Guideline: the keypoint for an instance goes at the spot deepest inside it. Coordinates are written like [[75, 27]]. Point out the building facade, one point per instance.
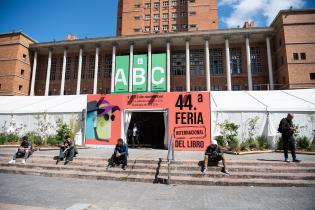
[[293, 48], [136, 17], [15, 65]]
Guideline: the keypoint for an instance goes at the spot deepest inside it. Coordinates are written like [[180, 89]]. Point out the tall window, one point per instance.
[[197, 67], [91, 66], [216, 61], [235, 60], [165, 3], [53, 69], [68, 68], [256, 59], [83, 66], [178, 62], [108, 66], [174, 3], [76, 66], [59, 68]]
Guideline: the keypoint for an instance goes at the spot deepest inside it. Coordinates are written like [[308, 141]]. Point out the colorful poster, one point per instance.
[[139, 73], [187, 117], [158, 79], [121, 74]]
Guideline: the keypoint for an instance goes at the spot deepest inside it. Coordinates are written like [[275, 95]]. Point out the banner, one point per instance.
[[158, 80], [139, 73], [187, 118], [121, 74]]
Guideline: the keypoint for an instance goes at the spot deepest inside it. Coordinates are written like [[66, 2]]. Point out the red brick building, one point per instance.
[[136, 17], [15, 65]]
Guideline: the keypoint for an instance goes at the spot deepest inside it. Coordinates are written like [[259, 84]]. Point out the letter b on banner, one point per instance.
[[158, 72], [139, 73]]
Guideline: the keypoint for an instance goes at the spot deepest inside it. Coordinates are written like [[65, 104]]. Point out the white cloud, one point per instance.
[[243, 10]]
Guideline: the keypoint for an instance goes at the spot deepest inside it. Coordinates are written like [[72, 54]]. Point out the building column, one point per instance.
[[168, 66], [63, 75], [149, 65], [79, 72], [130, 67], [248, 64], [269, 63], [207, 65], [48, 73], [96, 70], [33, 74], [187, 67], [112, 86], [228, 67]]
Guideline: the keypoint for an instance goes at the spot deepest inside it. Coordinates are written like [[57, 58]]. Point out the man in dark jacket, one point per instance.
[[67, 150], [120, 155], [24, 150], [214, 154], [286, 128]]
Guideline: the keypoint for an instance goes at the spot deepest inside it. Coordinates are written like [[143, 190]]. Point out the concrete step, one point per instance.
[[101, 160], [288, 168], [225, 181], [163, 172]]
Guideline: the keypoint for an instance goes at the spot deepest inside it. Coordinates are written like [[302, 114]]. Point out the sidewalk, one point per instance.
[[155, 154]]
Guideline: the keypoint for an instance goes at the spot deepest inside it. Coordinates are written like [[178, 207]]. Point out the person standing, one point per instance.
[[287, 130], [24, 150], [135, 135]]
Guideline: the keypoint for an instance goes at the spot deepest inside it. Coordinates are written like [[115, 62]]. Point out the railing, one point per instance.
[[170, 157]]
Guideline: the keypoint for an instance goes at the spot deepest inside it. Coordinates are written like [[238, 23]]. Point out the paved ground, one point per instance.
[[156, 154], [61, 193]]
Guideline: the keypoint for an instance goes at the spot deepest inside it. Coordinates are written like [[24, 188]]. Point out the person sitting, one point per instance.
[[120, 155], [214, 154], [24, 151], [67, 150]]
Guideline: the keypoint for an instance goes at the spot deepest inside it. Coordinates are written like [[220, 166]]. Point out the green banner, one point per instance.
[[139, 73], [158, 79], [121, 74]]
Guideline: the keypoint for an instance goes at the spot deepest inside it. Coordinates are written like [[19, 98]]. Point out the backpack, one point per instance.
[[280, 127]]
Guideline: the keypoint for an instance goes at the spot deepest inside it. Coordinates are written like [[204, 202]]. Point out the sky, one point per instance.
[[49, 20]]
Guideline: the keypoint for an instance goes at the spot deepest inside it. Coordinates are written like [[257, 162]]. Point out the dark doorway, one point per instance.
[[151, 128]]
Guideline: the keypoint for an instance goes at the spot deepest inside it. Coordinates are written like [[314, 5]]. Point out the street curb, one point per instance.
[[297, 152]]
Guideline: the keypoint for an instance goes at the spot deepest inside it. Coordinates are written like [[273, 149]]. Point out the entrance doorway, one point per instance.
[[152, 126]]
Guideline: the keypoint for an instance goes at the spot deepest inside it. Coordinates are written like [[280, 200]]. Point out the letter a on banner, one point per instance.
[[121, 74], [139, 73], [158, 72]]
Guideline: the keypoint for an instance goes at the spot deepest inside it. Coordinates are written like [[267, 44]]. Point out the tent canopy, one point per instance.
[[273, 101], [42, 104]]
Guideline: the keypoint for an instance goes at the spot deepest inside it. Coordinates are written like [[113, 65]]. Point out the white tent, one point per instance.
[[24, 114], [269, 106]]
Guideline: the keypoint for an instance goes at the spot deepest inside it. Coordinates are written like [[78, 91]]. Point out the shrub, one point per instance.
[[280, 144], [303, 142], [2, 138], [244, 145], [221, 141], [12, 137], [35, 138], [52, 140], [63, 130], [263, 142], [233, 143]]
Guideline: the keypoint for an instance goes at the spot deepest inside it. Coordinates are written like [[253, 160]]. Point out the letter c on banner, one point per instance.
[[162, 79]]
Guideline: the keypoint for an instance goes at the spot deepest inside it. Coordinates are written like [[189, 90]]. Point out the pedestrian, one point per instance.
[[287, 130], [135, 135], [24, 151], [67, 150], [214, 154], [120, 155]]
